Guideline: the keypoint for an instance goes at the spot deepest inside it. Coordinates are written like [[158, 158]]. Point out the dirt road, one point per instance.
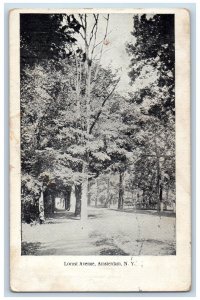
[[107, 232]]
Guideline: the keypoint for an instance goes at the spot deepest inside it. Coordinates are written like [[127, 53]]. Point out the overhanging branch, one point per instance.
[[103, 103]]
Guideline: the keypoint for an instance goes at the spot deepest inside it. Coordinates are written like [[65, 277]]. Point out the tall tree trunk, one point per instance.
[[121, 192], [132, 195], [88, 65], [41, 207], [167, 193], [138, 196], [84, 196], [89, 195], [158, 175], [138, 200], [158, 191], [108, 192], [97, 193], [68, 197], [84, 193], [143, 196], [160, 197], [78, 189], [53, 204]]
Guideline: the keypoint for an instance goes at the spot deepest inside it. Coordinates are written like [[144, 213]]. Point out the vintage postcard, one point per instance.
[[100, 150]]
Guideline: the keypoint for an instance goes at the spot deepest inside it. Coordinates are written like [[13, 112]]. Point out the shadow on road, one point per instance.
[[60, 217], [108, 232], [146, 212]]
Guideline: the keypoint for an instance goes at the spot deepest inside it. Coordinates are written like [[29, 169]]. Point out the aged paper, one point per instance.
[[100, 150]]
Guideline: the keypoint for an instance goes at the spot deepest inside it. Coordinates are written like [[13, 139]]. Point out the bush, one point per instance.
[[31, 189]]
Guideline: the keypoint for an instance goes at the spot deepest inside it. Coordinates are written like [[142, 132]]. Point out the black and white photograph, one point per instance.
[[100, 159], [97, 134]]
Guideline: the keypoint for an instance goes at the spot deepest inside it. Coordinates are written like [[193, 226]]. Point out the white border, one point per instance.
[[2, 135]]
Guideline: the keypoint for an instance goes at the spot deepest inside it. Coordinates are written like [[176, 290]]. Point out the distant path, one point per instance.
[[107, 232]]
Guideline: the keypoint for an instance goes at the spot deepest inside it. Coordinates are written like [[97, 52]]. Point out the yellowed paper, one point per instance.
[[150, 272]]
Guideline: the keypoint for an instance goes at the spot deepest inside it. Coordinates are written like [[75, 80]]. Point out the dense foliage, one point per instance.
[[78, 131]]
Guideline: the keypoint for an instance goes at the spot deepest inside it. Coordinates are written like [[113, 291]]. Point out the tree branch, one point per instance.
[[95, 37], [94, 27], [103, 103], [98, 65], [82, 25]]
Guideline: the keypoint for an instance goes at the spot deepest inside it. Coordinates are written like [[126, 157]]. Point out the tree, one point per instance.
[[154, 54], [43, 37], [56, 142], [89, 74], [76, 129], [153, 100], [43, 94]]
